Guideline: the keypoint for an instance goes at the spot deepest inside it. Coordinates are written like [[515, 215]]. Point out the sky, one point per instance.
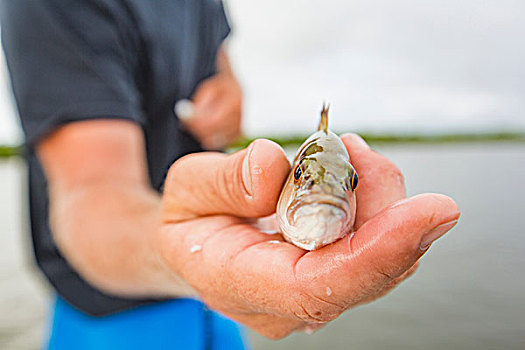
[[10, 132], [384, 66]]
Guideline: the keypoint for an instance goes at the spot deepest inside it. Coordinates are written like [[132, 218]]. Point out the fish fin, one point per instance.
[[323, 123]]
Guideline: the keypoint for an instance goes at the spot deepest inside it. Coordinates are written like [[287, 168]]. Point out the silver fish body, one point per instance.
[[317, 203]]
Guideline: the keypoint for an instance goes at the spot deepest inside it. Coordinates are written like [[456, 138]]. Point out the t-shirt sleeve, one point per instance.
[[70, 61], [224, 27]]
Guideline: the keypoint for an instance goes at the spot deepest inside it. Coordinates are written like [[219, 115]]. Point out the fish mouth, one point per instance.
[[318, 204], [315, 223]]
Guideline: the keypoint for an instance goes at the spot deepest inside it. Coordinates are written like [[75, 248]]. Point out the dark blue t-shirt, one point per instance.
[[74, 60]]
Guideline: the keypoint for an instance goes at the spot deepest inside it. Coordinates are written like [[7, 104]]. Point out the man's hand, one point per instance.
[[207, 238], [216, 120]]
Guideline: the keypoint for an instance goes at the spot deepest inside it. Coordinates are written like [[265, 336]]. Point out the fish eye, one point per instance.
[[352, 179], [298, 172]]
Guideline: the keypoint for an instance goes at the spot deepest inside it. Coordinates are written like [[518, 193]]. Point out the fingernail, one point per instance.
[[435, 233], [359, 140], [246, 175]]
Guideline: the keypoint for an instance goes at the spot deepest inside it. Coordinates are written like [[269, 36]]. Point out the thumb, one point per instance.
[[246, 183]]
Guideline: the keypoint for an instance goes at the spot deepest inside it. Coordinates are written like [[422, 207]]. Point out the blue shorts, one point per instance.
[[175, 324]]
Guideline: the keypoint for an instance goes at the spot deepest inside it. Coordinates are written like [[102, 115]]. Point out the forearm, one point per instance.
[[107, 231]]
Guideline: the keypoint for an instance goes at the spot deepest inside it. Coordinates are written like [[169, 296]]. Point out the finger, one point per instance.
[[380, 251], [224, 113], [220, 128], [391, 285], [246, 183], [219, 124], [206, 94], [380, 181], [220, 140], [203, 125], [190, 112]]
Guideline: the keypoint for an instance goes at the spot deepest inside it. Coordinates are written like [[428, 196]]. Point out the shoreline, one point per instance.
[[7, 151]]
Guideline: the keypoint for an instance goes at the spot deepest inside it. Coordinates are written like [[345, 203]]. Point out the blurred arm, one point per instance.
[[223, 62], [103, 211], [218, 107]]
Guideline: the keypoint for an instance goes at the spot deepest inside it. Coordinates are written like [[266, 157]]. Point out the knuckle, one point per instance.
[[174, 169], [171, 176], [397, 175], [386, 167], [392, 172], [174, 173]]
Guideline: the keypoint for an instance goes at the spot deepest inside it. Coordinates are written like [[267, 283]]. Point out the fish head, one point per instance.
[[317, 205]]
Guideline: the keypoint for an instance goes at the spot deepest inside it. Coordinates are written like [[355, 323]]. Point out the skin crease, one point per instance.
[[128, 240]]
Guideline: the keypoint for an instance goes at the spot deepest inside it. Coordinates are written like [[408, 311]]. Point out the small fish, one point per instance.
[[317, 203]]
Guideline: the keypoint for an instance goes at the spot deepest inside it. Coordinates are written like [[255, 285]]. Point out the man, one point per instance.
[[123, 232]]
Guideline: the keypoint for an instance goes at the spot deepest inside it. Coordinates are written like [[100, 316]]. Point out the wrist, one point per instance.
[[169, 281]]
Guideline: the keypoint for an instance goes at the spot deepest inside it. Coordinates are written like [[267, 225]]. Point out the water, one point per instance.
[[23, 295], [468, 293]]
